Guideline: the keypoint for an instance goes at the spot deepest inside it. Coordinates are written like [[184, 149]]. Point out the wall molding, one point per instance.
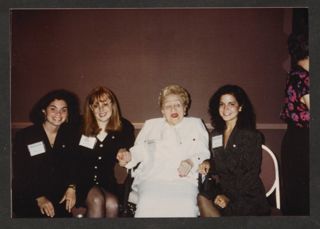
[[138, 125]]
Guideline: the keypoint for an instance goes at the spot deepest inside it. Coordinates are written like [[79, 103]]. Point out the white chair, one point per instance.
[[270, 174]]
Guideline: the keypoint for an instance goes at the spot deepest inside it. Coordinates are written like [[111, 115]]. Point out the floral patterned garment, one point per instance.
[[293, 111]]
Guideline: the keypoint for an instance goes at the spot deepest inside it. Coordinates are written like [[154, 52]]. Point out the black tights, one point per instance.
[[206, 207], [101, 203]]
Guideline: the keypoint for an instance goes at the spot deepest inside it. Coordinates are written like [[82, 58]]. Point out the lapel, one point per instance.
[[230, 154], [45, 138], [215, 150], [232, 139]]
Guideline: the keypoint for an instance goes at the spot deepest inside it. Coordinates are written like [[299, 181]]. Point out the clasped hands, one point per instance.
[[204, 167], [46, 206], [124, 157]]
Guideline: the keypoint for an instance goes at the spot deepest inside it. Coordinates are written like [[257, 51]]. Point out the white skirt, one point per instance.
[[176, 198]]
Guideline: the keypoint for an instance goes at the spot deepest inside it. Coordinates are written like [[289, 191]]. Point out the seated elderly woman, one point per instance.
[[169, 150]]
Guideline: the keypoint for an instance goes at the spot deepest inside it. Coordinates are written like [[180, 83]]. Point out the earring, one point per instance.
[[44, 115]]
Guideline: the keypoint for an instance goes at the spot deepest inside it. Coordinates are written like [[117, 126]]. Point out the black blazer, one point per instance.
[[47, 174], [238, 168], [96, 166]]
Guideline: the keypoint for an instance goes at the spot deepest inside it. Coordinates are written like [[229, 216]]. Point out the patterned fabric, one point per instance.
[[293, 111]]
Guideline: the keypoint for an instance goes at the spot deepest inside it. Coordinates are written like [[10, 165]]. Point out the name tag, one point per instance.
[[88, 142], [217, 141], [36, 148]]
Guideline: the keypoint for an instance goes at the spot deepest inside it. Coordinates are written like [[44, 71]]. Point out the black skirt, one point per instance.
[[295, 171]]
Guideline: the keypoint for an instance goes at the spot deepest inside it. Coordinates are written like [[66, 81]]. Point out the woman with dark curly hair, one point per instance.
[[295, 143], [236, 160], [43, 185]]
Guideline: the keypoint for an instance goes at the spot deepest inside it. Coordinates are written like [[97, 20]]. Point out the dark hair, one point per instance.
[[90, 125], [246, 118], [36, 115], [298, 46]]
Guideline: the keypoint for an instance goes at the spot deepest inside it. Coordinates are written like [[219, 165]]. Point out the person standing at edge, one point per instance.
[[295, 143]]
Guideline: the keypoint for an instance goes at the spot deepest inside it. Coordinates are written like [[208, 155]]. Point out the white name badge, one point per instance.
[[217, 141], [88, 142], [36, 148]]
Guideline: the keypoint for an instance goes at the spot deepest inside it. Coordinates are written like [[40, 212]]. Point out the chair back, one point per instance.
[[270, 174]]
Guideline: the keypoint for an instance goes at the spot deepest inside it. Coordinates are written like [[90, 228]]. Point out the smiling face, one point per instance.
[[173, 109], [102, 109], [56, 112], [229, 108]]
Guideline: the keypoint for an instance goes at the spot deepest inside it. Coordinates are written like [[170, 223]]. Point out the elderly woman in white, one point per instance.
[[170, 150]]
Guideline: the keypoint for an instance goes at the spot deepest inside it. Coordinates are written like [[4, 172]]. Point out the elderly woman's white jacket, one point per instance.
[[161, 147]]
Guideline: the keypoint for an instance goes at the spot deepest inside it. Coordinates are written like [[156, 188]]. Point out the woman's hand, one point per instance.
[[123, 156], [45, 205], [204, 167], [70, 198], [185, 167], [222, 201]]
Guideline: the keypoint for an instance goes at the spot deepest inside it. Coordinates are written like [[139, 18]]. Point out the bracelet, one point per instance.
[[72, 186]]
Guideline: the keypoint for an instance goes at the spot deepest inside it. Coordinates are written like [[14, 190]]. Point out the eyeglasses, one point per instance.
[[175, 106]]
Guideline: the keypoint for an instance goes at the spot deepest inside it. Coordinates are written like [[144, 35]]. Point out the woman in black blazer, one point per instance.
[[42, 184], [236, 157], [104, 132]]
